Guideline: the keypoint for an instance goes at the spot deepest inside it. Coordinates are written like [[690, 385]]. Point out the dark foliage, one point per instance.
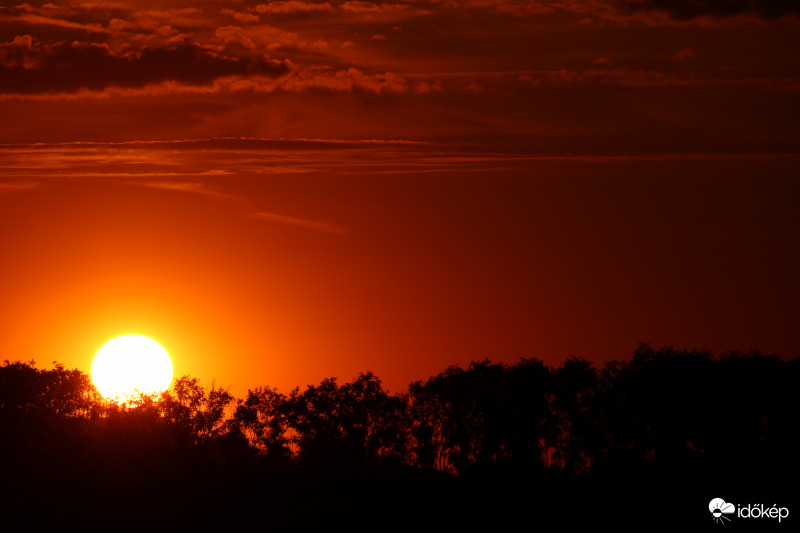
[[468, 449]]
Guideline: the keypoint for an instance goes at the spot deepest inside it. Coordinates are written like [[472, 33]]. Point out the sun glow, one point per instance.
[[129, 365]]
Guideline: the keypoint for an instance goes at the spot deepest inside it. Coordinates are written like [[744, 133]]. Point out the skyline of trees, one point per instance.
[[662, 405], [480, 448]]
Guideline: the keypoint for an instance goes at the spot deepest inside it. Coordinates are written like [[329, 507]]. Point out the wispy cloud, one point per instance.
[[32, 18], [251, 212], [316, 225], [72, 67], [291, 7], [198, 188], [14, 186]]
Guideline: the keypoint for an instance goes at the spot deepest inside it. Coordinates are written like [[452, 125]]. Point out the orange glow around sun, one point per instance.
[[131, 364], [284, 192]]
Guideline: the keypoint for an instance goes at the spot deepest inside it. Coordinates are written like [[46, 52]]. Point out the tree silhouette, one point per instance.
[[467, 441], [531, 422], [462, 419], [356, 422], [262, 419], [576, 433], [198, 413]]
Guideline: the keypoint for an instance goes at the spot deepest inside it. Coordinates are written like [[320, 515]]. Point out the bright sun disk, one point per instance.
[[131, 364]]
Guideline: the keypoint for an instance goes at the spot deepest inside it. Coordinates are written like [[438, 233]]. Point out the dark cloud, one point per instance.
[[71, 67], [689, 9]]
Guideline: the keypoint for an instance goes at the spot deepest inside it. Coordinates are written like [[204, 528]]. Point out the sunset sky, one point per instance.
[[280, 192]]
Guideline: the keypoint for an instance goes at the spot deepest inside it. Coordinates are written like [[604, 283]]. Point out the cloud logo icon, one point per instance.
[[719, 508]]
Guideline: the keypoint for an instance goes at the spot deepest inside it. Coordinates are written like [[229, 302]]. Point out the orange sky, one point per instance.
[[280, 192]]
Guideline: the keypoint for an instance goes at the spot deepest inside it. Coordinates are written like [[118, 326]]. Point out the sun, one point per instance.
[[129, 365]]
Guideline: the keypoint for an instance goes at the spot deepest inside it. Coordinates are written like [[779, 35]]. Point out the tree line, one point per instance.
[[661, 407]]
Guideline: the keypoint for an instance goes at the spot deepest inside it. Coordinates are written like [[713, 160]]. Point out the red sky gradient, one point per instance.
[[280, 192]]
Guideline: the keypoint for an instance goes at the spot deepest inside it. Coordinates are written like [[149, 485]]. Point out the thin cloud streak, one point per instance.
[[198, 188], [316, 225], [205, 190], [31, 18], [14, 186]]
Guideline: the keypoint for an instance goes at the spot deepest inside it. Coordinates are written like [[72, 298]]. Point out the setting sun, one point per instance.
[[130, 364]]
